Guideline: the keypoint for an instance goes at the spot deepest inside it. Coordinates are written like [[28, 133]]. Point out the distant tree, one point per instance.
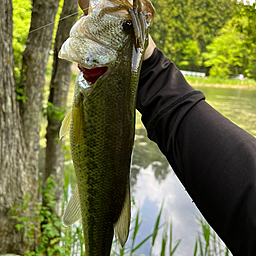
[[233, 51], [248, 29], [226, 55], [192, 57], [183, 29]]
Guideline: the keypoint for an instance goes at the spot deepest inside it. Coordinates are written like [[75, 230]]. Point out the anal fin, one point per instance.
[[73, 211]]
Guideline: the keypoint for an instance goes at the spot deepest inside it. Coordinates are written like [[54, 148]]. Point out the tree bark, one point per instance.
[[20, 121], [14, 173], [59, 88], [35, 58]]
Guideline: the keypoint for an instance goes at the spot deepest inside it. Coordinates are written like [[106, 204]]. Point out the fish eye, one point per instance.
[[126, 25]]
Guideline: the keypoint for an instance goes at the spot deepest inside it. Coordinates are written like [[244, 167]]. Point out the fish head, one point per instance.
[[100, 41], [95, 40]]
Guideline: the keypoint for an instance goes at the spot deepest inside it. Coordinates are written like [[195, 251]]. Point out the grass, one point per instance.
[[211, 81], [208, 243]]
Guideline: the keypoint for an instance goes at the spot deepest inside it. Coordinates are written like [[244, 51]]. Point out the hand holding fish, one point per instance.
[[108, 44]]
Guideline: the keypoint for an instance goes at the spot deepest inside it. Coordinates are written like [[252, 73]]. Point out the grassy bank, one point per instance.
[[219, 82]]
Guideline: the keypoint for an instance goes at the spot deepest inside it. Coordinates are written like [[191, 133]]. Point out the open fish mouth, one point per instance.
[[93, 74]]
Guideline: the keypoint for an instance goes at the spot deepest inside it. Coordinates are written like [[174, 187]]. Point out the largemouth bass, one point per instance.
[[108, 45]]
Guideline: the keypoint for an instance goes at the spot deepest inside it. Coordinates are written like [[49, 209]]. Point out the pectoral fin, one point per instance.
[[122, 226], [72, 212], [65, 125], [77, 116]]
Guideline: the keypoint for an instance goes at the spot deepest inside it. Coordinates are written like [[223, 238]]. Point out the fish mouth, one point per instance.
[[93, 74]]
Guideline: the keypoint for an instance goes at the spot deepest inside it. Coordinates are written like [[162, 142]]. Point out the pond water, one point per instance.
[[152, 178]]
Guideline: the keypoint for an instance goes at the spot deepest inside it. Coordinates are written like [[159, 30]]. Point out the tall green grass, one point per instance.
[[207, 243]]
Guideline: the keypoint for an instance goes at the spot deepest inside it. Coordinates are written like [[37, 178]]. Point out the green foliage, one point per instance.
[[57, 17], [225, 55], [198, 35], [248, 29], [50, 237], [25, 224], [183, 29], [20, 93], [233, 51], [192, 57], [21, 24], [54, 112]]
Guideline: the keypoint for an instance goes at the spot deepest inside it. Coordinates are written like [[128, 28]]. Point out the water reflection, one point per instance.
[[146, 153], [178, 208]]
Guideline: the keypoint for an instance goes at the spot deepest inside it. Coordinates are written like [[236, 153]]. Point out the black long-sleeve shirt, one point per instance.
[[214, 159]]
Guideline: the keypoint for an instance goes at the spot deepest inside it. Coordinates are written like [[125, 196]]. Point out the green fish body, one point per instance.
[[101, 126]]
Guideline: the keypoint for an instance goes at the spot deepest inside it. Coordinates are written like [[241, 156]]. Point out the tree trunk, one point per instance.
[[35, 58], [59, 88], [19, 127], [15, 178]]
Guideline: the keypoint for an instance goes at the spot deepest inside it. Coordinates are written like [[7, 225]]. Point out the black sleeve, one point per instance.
[[214, 159]]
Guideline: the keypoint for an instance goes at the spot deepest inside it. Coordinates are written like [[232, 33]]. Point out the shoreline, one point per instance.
[[247, 87]]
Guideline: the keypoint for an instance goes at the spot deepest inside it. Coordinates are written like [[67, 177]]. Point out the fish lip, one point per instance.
[[92, 74]]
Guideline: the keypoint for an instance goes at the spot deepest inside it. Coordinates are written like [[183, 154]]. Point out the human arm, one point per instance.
[[214, 159]]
